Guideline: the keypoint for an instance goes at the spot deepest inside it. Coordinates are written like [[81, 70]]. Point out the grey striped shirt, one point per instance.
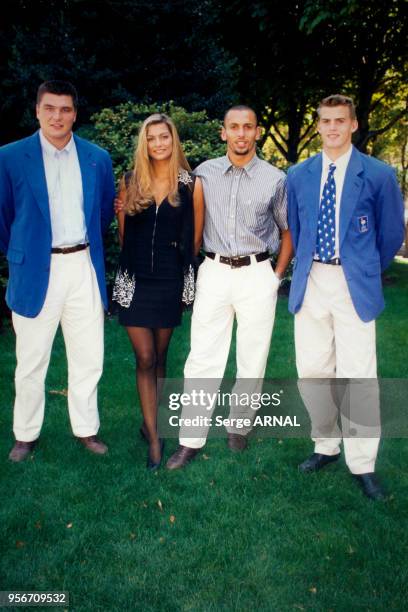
[[245, 208]]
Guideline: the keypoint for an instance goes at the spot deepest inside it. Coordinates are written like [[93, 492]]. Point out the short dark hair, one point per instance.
[[241, 107], [59, 88], [338, 100]]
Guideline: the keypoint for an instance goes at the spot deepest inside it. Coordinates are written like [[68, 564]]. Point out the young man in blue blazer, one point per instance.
[[346, 221], [56, 202]]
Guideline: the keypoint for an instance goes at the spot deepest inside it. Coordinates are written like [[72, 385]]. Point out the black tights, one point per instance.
[[150, 348]]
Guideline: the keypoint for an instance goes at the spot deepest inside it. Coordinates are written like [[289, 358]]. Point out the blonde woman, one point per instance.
[[160, 228]]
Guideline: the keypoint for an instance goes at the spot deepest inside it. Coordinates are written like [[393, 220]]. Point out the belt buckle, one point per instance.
[[234, 261]]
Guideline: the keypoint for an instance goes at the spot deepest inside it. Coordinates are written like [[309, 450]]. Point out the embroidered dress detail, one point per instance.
[[184, 177], [189, 287], [123, 288]]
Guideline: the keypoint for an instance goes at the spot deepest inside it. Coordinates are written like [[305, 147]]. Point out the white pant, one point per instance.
[[73, 299], [333, 342], [250, 294]]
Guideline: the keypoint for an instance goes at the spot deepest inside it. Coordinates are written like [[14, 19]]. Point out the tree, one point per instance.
[[293, 54], [370, 39], [113, 51]]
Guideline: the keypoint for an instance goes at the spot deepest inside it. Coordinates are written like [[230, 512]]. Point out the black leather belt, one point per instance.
[[71, 249], [331, 262], [239, 260]]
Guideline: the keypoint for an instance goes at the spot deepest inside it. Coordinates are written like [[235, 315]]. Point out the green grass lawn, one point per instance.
[[230, 532]]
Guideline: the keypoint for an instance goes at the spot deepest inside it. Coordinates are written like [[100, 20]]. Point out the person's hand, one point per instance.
[[118, 205]]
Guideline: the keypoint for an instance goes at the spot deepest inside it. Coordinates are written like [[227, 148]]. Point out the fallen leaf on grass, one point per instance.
[[172, 519], [38, 525], [132, 536], [63, 392], [205, 457], [313, 590], [160, 505], [20, 544]]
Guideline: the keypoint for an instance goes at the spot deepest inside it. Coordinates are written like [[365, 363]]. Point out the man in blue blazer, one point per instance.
[[346, 221], [56, 201]]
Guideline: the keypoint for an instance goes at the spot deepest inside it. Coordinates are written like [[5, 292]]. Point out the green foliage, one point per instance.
[[116, 129], [113, 51]]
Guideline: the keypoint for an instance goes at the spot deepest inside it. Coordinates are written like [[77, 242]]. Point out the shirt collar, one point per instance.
[[249, 167], [49, 148], [340, 163]]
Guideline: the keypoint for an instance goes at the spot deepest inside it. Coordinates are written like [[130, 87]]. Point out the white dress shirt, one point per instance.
[[341, 164], [65, 195]]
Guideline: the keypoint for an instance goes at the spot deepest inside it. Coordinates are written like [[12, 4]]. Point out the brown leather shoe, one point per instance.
[[181, 457], [21, 450], [93, 444], [236, 442]]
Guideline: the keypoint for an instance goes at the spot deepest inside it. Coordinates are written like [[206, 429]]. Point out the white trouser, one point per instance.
[[250, 293], [73, 299], [333, 342]]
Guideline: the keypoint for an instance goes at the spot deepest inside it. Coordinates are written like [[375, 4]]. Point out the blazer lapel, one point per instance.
[[35, 172], [87, 165], [312, 188], [353, 183]]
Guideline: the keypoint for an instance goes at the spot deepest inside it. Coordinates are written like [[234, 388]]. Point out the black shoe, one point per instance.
[[152, 465], [316, 462], [370, 486]]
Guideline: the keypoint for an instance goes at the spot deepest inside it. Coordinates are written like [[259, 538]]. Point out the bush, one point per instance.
[[116, 129]]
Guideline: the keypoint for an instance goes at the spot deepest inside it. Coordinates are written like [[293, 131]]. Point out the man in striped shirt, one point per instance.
[[245, 221]]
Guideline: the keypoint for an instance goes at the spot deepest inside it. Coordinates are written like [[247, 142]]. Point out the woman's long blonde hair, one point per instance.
[[139, 191]]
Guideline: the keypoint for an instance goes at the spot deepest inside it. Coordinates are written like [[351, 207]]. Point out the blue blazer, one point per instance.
[[25, 225], [371, 227]]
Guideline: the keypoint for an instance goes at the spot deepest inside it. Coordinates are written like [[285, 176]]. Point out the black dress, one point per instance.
[[155, 265]]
